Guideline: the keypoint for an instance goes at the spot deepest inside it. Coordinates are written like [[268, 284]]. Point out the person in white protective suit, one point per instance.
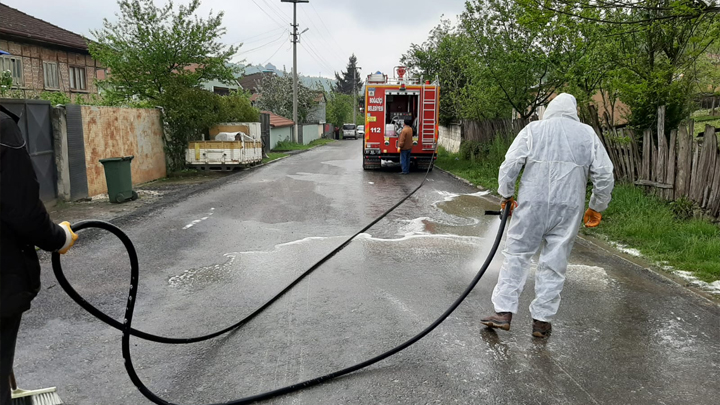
[[558, 153]]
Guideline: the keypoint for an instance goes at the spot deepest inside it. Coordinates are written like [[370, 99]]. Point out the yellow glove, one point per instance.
[[513, 204], [70, 237], [592, 218]]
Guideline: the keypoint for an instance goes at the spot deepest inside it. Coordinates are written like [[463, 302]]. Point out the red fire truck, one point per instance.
[[388, 101]]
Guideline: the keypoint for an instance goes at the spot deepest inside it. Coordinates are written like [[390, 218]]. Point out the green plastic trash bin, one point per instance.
[[119, 179]]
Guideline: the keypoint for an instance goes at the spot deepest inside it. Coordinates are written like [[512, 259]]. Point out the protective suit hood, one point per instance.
[[564, 106]]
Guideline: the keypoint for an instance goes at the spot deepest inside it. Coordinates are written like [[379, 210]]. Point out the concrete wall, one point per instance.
[[280, 134], [450, 138], [114, 132], [311, 133], [33, 57]]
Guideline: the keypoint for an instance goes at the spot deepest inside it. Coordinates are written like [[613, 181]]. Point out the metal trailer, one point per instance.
[[225, 155]]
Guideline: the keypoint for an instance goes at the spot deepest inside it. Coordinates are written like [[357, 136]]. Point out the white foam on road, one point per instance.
[[713, 287], [625, 249], [589, 277], [448, 196]]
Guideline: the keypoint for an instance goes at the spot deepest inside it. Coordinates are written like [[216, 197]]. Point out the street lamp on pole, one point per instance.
[[295, 40]]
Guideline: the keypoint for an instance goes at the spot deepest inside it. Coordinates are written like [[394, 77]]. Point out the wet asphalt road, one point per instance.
[[622, 336]]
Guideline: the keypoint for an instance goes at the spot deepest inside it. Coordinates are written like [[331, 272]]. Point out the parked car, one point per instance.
[[361, 131], [349, 131]]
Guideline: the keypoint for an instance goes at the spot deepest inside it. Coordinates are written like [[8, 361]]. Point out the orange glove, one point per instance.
[[70, 237], [592, 218], [513, 204]]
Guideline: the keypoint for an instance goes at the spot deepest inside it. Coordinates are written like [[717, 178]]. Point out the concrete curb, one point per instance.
[[654, 273]]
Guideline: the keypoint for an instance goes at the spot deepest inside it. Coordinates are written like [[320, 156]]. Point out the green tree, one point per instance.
[[349, 80], [159, 56], [467, 91], [276, 95], [526, 55], [151, 48], [656, 65], [339, 108]]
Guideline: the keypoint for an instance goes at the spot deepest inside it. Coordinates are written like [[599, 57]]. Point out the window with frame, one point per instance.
[[50, 73], [14, 66], [77, 78]]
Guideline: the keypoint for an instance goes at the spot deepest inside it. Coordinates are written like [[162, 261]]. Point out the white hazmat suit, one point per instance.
[[558, 154]]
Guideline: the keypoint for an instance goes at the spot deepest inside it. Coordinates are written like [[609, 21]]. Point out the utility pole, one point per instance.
[[295, 40], [355, 109]]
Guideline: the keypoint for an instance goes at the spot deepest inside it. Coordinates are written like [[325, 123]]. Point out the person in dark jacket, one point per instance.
[[24, 224]]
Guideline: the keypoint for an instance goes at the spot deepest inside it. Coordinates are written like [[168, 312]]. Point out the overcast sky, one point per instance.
[[378, 32]]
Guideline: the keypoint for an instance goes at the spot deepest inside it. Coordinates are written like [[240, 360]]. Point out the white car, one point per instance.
[[361, 131], [349, 131]]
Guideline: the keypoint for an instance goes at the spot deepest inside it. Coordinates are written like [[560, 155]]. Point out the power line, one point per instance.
[[329, 45], [262, 46], [319, 54], [264, 34], [274, 53], [278, 11], [315, 56], [327, 29], [268, 14]]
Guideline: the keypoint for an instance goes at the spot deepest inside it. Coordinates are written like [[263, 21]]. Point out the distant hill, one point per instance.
[[307, 81]]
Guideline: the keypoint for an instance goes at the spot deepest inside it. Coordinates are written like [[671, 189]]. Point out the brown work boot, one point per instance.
[[500, 320], [541, 329]]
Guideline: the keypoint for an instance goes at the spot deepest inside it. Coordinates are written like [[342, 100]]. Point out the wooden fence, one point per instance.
[[683, 166], [486, 131]]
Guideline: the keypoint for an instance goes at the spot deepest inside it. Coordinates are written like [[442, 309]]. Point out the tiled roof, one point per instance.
[[277, 121], [16, 23], [250, 82]]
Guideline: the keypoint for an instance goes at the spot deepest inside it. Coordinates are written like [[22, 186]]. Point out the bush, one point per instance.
[[469, 150], [55, 97], [682, 208]]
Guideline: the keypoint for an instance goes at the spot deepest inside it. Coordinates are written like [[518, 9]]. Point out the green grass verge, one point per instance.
[[284, 146], [651, 225], [273, 156]]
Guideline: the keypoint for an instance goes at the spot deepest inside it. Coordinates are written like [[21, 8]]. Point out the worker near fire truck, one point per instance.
[[557, 154], [24, 224], [405, 144]]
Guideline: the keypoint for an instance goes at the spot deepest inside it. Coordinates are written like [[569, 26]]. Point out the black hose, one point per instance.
[[57, 268], [129, 310], [126, 325]]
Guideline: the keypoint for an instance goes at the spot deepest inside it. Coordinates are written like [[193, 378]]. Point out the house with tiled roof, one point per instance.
[[44, 57], [281, 128]]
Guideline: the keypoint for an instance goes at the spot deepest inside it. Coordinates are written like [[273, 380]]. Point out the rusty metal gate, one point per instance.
[[36, 128]]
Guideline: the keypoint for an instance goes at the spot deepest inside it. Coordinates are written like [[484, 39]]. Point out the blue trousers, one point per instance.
[[405, 160]]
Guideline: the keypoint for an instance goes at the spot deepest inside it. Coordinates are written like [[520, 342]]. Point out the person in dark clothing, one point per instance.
[[24, 224], [405, 145]]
